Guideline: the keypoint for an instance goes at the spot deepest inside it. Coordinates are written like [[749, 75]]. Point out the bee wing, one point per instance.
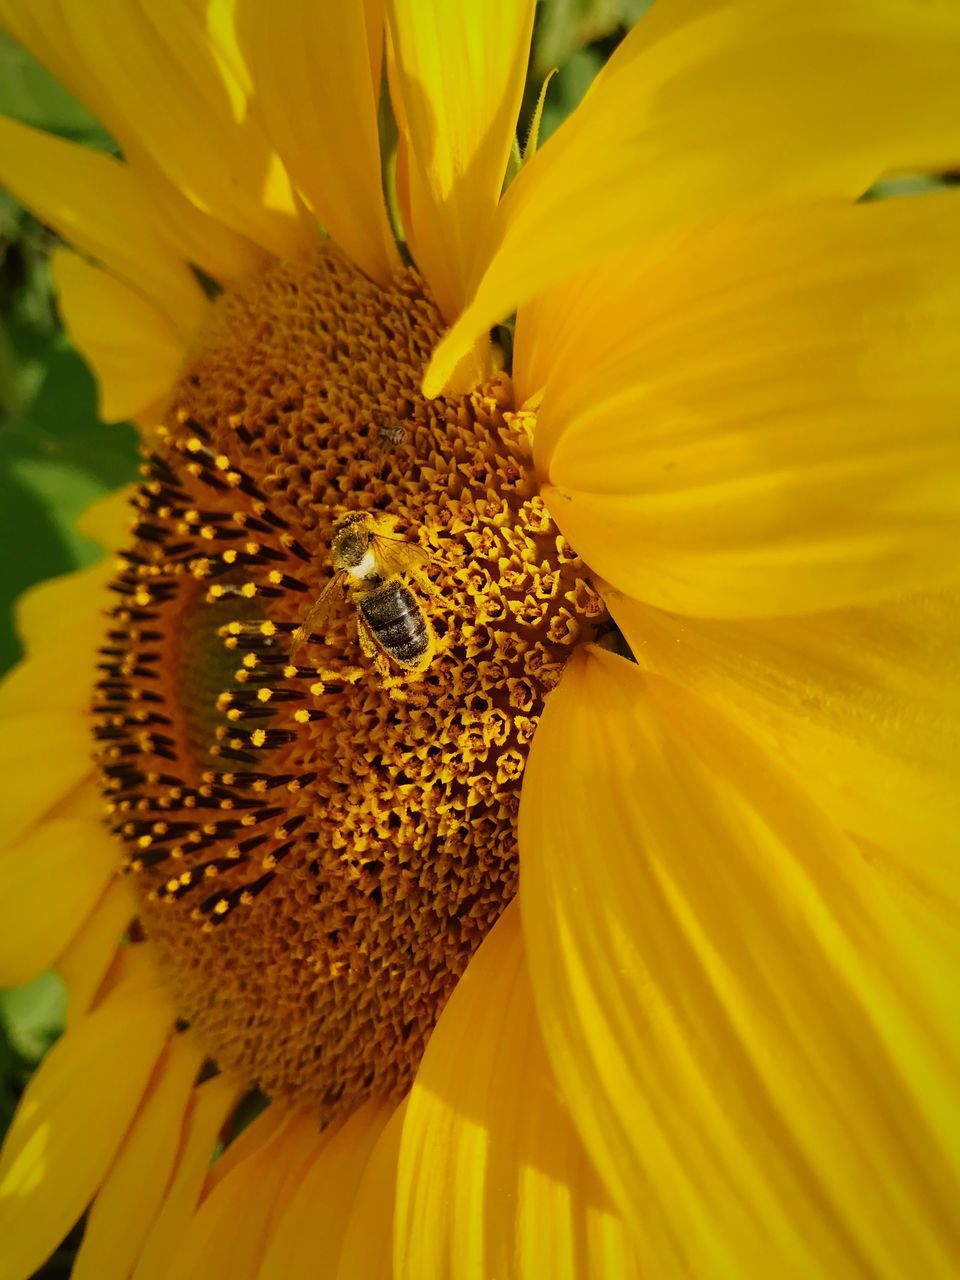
[[316, 613], [396, 555]]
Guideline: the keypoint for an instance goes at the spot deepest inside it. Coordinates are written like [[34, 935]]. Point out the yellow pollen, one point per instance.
[[338, 832]]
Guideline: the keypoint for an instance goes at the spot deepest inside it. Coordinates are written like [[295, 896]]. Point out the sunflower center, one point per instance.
[[322, 837]]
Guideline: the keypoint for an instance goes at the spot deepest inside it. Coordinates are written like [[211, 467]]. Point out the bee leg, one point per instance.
[[370, 649], [367, 646]]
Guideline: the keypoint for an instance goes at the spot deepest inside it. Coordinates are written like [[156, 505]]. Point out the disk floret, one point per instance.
[[319, 845]]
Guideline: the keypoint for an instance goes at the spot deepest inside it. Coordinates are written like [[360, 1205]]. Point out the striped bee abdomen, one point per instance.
[[396, 622]]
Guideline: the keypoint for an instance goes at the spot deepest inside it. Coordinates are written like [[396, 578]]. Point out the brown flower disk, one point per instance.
[[319, 849]]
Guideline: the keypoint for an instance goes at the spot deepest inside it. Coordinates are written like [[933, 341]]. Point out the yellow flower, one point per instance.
[[716, 1033]]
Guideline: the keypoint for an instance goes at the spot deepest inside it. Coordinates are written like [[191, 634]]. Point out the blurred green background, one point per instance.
[[56, 457]]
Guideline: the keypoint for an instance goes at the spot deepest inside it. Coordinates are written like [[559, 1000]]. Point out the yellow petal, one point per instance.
[[198, 237], [84, 962], [226, 1237], [366, 1250], [49, 881], [318, 56], [71, 1122], [493, 1179], [460, 71], [57, 673], [132, 349], [257, 1134], [79, 596], [96, 203], [208, 1110], [132, 1192], [707, 108], [759, 418], [312, 1224], [862, 705], [109, 519], [194, 236], [176, 88], [743, 1039], [43, 757]]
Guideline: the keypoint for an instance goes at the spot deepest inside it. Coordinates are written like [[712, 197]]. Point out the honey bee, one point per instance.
[[369, 565]]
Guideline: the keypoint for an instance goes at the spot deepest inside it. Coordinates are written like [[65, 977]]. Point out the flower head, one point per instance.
[[681, 576]]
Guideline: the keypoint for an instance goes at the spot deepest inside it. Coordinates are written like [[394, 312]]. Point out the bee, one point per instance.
[[369, 565], [392, 433]]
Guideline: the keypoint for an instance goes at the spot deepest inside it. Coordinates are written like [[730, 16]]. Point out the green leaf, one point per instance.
[[63, 419], [28, 92], [566, 26], [567, 88], [34, 549], [66, 492], [32, 1016]]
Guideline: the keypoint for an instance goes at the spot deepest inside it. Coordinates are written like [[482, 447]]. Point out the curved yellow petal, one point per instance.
[[43, 31], [57, 679], [44, 756], [79, 596], [227, 1236], [132, 348], [746, 1043], [862, 705], [71, 1122], [206, 1114], [109, 519], [259, 1133], [96, 203], [193, 235], [173, 83], [705, 108], [493, 1179], [319, 57], [198, 237], [460, 71], [311, 1226], [366, 1248], [133, 1189], [49, 881], [58, 670], [759, 418], [84, 962]]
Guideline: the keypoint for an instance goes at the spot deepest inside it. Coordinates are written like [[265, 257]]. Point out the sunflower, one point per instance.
[[620, 937]]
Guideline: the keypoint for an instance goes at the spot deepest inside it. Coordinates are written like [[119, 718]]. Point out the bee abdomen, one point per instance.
[[396, 622]]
